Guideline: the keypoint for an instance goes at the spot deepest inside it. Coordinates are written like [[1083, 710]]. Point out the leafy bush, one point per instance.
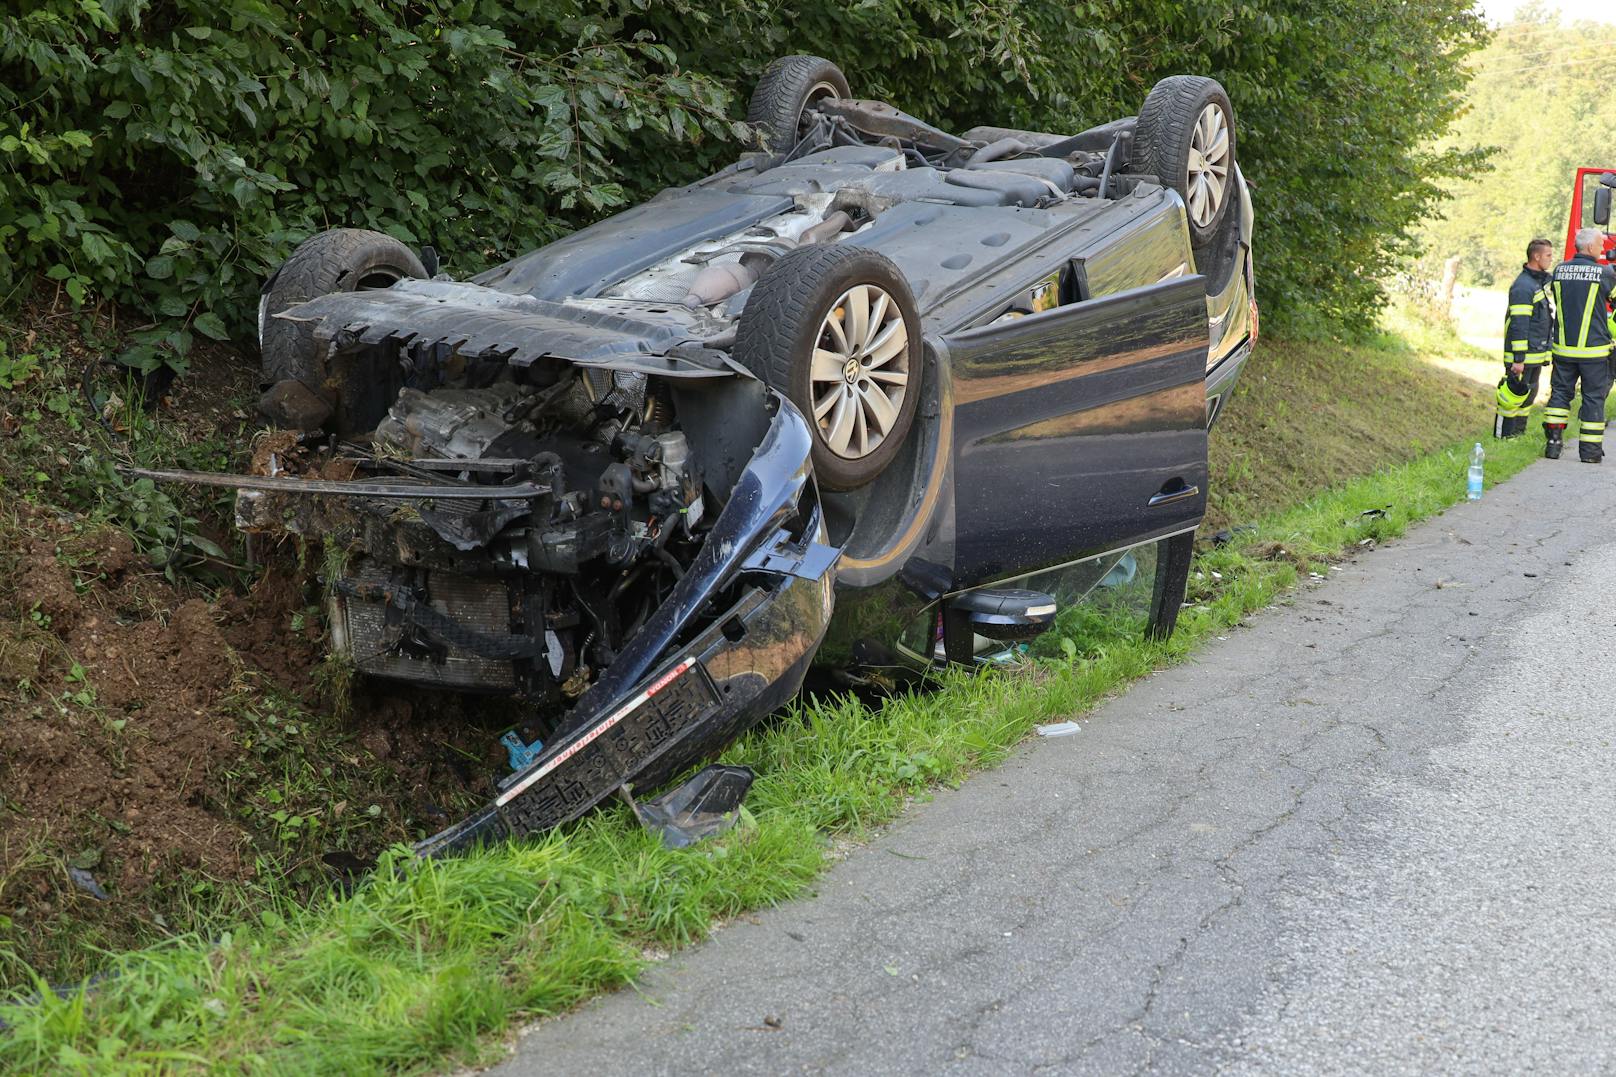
[[168, 156]]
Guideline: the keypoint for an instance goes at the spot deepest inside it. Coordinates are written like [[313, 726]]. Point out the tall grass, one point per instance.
[[418, 967]]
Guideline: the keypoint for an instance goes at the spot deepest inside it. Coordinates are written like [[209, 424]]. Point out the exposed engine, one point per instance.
[[715, 270], [533, 594]]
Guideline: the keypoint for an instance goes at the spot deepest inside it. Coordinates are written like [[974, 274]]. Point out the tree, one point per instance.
[[169, 155], [1540, 102]]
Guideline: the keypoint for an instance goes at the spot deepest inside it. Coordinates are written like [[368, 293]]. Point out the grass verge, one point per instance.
[[1309, 414], [421, 965]]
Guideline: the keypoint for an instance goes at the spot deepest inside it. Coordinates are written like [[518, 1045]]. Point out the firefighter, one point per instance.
[[1581, 289], [1528, 332]]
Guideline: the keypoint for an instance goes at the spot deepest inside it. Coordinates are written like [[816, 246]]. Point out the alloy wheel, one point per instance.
[[1208, 165], [860, 371]]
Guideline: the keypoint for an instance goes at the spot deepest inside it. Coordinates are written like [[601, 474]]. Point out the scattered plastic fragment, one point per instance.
[[1058, 729], [1226, 536], [707, 804], [86, 882], [520, 753]]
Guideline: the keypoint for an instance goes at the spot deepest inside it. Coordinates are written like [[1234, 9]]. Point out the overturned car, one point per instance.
[[872, 376]]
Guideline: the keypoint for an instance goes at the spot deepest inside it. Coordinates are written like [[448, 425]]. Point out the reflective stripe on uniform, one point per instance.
[[1591, 432], [1556, 415], [1580, 350], [1535, 358], [1520, 308]]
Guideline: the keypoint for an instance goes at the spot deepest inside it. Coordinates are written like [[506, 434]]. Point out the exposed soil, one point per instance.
[[124, 752], [163, 743], [65, 761]]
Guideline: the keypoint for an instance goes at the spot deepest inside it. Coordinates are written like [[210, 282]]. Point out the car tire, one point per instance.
[[789, 85], [339, 260], [1185, 136], [804, 312]]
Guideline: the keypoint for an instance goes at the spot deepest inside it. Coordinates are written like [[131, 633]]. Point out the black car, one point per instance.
[[871, 376]]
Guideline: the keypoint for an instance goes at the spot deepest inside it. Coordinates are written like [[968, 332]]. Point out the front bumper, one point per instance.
[[676, 694]]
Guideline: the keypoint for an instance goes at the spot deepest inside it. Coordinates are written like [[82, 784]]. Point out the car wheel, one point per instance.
[[339, 260], [835, 329], [789, 85], [1185, 136]]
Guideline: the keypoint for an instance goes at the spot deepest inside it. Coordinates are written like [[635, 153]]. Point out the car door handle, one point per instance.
[[1167, 497]]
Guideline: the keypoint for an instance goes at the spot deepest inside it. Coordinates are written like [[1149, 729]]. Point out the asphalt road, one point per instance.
[[1369, 833]]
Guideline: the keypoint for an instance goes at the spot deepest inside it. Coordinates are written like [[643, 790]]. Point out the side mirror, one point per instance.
[[1602, 206], [1607, 179]]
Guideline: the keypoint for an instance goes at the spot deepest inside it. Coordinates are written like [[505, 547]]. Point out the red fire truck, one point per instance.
[[1590, 208]]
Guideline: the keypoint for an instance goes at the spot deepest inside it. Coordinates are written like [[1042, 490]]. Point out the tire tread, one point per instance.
[[777, 100], [317, 267], [1162, 134]]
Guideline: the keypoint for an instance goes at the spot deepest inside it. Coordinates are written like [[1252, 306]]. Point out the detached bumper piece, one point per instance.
[[706, 805], [745, 666]]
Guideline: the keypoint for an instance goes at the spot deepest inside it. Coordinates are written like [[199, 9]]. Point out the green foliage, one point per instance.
[[168, 156], [67, 446], [1539, 98]]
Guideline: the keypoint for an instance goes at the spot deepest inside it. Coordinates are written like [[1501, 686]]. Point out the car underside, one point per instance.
[[628, 478]]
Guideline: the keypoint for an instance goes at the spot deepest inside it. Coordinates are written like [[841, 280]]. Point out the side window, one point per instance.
[[1102, 600], [1060, 289], [1590, 184]]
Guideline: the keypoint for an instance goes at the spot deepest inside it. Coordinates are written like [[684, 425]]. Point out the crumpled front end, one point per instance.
[[576, 505], [730, 644]]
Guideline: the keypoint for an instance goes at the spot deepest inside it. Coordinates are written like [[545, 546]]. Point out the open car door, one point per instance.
[[1079, 430]]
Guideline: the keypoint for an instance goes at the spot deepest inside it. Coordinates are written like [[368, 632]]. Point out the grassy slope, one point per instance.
[[1309, 415], [429, 958]]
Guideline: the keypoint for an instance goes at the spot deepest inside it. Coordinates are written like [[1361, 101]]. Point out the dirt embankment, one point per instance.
[[156, 741], [165, 745], [114, 755]]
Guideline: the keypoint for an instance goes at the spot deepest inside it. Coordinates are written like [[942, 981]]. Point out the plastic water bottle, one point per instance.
[[1473, 485]]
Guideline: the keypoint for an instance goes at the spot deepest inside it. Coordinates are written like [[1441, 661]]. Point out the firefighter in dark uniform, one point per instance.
[[1528, 333], [1581, 289]]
